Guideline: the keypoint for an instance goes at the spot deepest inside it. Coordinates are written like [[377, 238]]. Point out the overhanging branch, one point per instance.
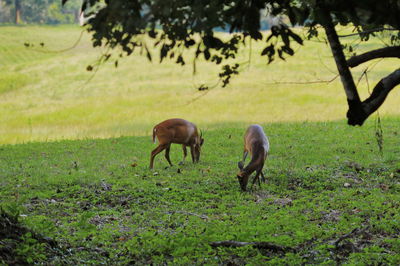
[[381, 90], [393, 51], [376, 99], [368, 32]]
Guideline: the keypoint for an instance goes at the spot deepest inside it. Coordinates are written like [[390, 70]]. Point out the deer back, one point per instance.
[[176, 130]]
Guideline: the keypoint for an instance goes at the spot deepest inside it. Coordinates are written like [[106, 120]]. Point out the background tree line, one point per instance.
[[52, 12], [39, 11]]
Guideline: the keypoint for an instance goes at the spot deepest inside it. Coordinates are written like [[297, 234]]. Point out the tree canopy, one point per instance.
[[178, 25]]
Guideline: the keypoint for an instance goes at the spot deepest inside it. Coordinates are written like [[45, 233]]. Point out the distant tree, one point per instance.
[[17, 4], [43, 11], [17, 9], [189, 23]]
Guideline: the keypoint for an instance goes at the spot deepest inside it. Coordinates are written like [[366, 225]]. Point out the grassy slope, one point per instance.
[[46, 96], [86, 195]]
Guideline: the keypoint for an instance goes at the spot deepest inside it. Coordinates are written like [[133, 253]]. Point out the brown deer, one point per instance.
[[177, 131], [256, 143]]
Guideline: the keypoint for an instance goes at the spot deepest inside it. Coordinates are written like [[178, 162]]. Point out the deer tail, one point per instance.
[[154, 135]]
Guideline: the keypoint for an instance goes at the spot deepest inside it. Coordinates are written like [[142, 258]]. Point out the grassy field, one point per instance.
[[67, 196], [99, 202], [47, 95]]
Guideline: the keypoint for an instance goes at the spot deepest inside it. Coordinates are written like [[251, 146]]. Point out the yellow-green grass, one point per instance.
[[46, 95]]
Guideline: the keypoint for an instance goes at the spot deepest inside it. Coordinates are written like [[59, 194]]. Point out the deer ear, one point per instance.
[[240, 165]]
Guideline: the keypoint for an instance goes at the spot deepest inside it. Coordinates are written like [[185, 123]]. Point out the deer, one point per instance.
[[178, 131], [256, 143]]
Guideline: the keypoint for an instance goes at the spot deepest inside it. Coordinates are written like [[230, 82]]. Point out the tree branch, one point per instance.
[[381, 90], [392, 51], [376, 99], [354, 232], [301, 82], [368, 32]]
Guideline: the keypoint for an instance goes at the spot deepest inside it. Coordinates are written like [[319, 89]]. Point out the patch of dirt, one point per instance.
[[353, 166], [283, 202], [262, 196], [331, 216]]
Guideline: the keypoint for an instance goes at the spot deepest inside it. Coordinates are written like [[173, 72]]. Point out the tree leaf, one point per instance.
[[256, 35], [164, 51], [280, 54], [152, 33], [206, 54], [270, 36], [212, 42], [180, 60], [148, 53], [268, 50], [288, 50], [189, 43], [295, 37]]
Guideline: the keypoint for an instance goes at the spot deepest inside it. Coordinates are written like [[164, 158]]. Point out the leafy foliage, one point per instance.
[[180, 24]]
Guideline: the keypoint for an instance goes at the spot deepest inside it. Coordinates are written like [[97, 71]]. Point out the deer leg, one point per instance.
[[257, 178], [245, 153], [167, 154], [192, 153], [184, 153], [156, 151], [241, 164], [262, 177]]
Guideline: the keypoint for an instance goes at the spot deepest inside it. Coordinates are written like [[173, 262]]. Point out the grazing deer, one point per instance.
[[177, 131], [255, 142]]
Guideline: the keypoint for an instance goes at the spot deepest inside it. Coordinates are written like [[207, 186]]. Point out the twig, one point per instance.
[[256, 244], [368, 31], [63, 50], [202, 216], [354, 232], [204, 93], [97, 65], [305, 82], [197, 97], [323, 64]]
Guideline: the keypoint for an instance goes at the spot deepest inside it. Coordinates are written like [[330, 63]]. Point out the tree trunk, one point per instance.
[[17, 4], [356, 114]]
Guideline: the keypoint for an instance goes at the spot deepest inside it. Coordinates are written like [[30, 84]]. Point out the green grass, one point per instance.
[[47, 95], [102, 205], [87, 196]]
